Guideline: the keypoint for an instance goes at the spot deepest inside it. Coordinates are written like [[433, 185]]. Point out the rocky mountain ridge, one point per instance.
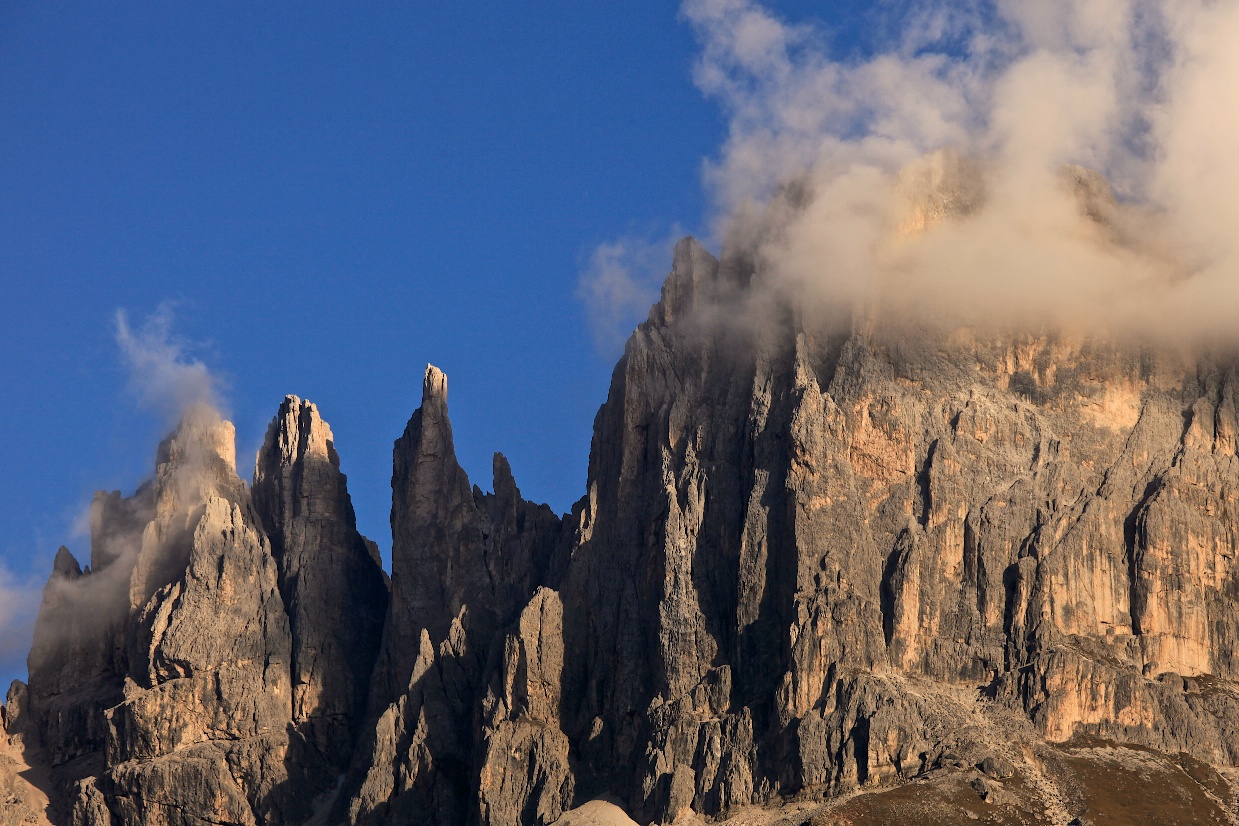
[[814, 561]]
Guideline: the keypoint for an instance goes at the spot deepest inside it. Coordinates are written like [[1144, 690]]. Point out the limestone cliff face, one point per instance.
[[330, 577], [164, 682], [783, 529], [802, 556], [206, 694], [812, 556], [464, 564]]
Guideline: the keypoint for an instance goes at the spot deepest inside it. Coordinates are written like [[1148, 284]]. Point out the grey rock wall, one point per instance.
[[331, 580], [464, 565], [811, 555], [199, 672]]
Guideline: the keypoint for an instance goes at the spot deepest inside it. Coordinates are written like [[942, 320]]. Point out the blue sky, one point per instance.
[[330, 195]]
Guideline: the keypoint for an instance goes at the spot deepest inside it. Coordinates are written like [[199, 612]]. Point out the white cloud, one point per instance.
[[165, 378], [1144, 91], [19, 605]]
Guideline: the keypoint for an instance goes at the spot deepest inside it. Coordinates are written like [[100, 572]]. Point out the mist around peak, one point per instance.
[[999, 163], [164, 378], [146, 531]]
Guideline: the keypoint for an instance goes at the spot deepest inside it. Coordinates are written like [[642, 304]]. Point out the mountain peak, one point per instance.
[[810, 561], [694, 271], [202, 437], [434, 385]]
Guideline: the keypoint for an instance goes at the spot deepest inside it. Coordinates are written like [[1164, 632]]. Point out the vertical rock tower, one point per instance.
[[330, 578], [464, 564], [223, 682], [813, 556]]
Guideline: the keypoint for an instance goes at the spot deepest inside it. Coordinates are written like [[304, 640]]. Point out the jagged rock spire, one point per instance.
[[169, 679], [694, 272], [330, 576], [809, 560], [464, 564]]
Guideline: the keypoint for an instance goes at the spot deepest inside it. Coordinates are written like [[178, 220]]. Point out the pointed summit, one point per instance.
[[193, 465], [333, 589], [434, 385], [201, 437], [65, 565], [464, 564], [694, 272], [297, 431], [431, 496]]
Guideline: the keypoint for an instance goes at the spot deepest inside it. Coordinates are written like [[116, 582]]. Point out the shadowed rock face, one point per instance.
[[464, 565], [812, 556], [79, 657], [330, 579]]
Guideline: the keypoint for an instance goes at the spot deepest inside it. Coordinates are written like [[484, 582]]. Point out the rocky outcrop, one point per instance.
[[203, 724], [24, 779], [330, 578], [464, 563], [792, 529], [684, 487], [526, 775], [79, 656], [815, 554], [167, 684]]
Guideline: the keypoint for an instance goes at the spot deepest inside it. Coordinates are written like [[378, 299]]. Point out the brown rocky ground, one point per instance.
[[23, 801], [1082, 783]]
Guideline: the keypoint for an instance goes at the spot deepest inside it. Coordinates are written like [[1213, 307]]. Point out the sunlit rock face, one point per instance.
[[807, 552], [169, 682], [784, 525], [815, 554]]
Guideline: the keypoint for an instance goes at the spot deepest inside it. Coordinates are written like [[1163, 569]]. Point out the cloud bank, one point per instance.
[[963, 163], [19, 602]]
